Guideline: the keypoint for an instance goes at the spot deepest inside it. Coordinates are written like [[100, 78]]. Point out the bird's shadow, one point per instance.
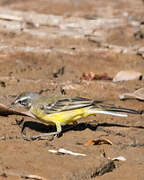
[[43, 128]]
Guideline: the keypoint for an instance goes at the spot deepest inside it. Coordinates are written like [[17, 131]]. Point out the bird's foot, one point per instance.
[[50, 136]]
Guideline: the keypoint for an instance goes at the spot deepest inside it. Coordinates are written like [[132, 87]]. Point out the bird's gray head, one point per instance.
[[25, 99]]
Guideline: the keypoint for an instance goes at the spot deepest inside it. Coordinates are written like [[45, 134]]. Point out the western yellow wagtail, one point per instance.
[[61, 110]]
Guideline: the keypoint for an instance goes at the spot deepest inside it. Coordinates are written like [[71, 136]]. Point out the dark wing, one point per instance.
[[67, 104]]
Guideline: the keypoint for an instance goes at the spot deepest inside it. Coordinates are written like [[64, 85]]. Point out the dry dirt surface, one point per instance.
[[46, 46]]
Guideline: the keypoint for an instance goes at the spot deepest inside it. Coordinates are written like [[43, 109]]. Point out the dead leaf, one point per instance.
[[138, 94], [92, 76], [87, 76], [7, 173], [31, 176], [64, 151], [103, 76], [140, 52], [98, 142], [5, 110], [127, 75], [119, 158]]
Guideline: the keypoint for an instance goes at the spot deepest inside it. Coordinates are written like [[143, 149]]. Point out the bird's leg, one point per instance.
[[21, 124], [42, 135], [70, 127]]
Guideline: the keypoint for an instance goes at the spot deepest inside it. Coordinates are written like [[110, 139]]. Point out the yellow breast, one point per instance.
[[63, 117]]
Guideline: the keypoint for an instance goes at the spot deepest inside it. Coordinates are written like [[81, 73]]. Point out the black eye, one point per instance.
[[23, 102], [19, 102]]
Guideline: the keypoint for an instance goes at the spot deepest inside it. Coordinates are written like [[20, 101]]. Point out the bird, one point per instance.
[[59, 109]]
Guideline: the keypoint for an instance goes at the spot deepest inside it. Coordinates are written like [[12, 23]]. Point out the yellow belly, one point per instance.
[[63, 118]]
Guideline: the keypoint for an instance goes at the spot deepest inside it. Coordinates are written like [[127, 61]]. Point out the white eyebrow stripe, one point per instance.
[[22, 99]]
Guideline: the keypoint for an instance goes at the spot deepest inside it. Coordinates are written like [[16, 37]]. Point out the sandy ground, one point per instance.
[[32, 57]]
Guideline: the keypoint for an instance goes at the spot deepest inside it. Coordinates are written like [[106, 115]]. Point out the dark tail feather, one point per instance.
[[125, 110], [111, 108]]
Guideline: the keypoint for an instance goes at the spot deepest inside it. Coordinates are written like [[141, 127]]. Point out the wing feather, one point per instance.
[[67, 104]]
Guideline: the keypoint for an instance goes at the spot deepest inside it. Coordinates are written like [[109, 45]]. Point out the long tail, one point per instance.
[[112, 110]]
